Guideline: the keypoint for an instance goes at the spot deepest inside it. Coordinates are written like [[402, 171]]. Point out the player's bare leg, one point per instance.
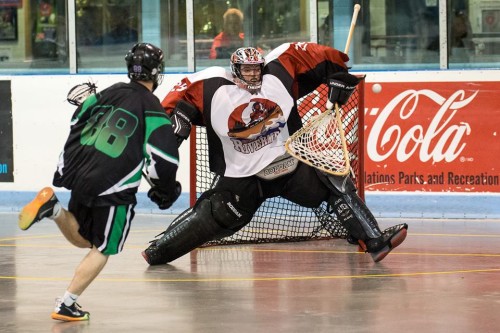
[[88, 269], [69, 227], [46, 205]]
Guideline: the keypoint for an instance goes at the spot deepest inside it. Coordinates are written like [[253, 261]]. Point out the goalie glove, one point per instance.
[[340, 87], [181, 118], [164, 199]]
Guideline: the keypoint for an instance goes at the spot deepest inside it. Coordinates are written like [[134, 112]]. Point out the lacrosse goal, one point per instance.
[[279, 220]]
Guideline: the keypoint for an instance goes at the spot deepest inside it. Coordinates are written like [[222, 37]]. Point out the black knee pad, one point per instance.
[[226, 211]]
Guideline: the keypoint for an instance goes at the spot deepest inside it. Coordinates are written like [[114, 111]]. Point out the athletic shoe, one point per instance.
[[380, 247], [69, 313], [42, 206]]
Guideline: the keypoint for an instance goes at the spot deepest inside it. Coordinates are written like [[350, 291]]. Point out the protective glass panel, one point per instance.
[[473, 34], [390, 34], [33, 36], [105, 30], [173, 32], [405, 34], [223, 26]]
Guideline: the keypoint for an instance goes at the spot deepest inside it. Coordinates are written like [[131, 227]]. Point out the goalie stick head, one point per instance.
[[79, 93], [145, 63]]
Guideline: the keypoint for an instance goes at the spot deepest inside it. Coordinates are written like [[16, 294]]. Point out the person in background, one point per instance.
[[113, 135], [231, 37]]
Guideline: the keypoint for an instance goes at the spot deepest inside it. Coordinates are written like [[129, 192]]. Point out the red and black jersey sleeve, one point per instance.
[[196, 89], [308, 64]]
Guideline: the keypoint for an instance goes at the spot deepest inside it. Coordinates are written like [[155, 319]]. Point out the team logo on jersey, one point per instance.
[[255, 124]]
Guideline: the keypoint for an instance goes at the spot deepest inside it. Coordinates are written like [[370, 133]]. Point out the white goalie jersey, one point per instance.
[[246, 132]]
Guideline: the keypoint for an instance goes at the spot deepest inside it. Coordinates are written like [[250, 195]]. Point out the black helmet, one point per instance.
[[145, 63]]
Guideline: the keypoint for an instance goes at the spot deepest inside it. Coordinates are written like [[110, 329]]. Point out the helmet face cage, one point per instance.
[[145, 63], [246, 56]]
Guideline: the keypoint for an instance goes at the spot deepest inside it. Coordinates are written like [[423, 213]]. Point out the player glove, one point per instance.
[[164, 199], [181, 119], [341, 85]]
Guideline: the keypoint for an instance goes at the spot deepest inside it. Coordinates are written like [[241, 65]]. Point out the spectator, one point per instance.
[[231, 38]]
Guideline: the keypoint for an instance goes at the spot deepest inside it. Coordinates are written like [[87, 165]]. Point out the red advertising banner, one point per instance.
[[432, 136]]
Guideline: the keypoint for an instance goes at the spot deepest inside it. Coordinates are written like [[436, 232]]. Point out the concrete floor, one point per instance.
[[444, 278]]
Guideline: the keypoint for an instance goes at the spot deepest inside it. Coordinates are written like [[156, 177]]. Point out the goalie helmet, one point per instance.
[[145, 63], [246, 56]]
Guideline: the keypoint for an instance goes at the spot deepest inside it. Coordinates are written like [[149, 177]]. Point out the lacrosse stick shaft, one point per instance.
[[355, 13], [147, 179], [357, 7], [347, 167]]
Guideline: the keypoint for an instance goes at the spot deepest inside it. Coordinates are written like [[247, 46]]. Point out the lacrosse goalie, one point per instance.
[[250, 111]]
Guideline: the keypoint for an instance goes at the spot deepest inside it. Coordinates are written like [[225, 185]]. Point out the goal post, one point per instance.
[[279, 220]]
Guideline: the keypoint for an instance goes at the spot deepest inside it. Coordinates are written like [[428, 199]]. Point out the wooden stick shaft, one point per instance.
[[357, 7]]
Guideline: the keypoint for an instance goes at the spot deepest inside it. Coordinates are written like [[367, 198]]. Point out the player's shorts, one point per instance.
[[106, 228]]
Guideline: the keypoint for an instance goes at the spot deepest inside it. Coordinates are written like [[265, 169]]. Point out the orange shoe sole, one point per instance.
[[57, 316], [29, 213]]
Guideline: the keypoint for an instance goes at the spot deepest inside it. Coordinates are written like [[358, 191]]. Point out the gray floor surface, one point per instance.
[[444, 278]]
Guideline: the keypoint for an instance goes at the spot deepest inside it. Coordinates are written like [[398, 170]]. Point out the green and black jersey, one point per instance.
[[114, 134]]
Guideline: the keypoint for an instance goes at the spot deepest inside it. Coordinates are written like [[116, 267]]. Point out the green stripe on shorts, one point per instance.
[[117, 230]]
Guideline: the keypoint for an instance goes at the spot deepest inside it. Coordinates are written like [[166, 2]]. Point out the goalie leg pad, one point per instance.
[[363, 227], [355, 216], [359, 221], [211, 218], [339, 184], [350, 209]]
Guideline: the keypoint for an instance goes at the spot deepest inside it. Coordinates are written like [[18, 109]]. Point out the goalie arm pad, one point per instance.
[[341, 85], [182, 118]]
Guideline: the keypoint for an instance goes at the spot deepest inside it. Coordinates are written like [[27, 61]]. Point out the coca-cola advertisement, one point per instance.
[[432, 136]]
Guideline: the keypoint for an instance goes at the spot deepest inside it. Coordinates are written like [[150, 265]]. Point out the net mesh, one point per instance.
[[321, 143], [280, 220]]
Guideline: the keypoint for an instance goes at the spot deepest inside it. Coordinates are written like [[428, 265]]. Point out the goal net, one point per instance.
[[279, 220]]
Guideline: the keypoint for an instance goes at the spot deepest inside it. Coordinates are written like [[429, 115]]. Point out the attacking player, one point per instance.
[[249, 113], [113, 135]]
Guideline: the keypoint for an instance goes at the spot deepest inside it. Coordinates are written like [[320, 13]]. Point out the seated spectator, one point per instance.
[[231, 37]]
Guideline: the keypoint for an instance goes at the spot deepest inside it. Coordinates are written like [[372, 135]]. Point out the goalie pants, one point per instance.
[[302, 187], [307, 187]]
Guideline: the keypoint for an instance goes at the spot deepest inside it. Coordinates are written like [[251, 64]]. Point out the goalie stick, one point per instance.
[[321, 142]]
